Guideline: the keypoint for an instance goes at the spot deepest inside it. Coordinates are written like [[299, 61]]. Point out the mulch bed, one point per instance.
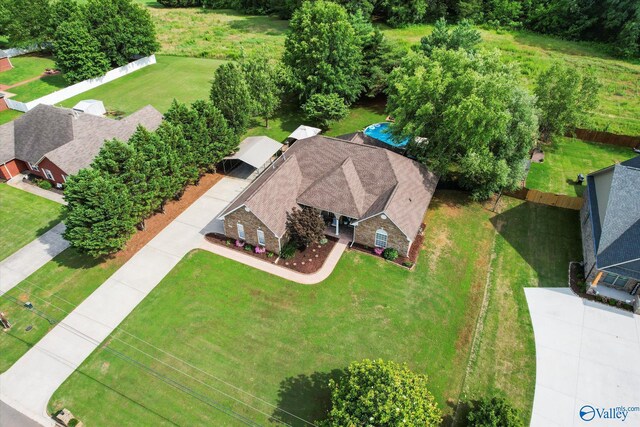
[[308, 260], [414, 251], [576, 281]]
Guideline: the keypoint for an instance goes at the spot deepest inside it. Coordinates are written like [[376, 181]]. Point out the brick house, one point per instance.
[[5, 61], [53, 143], [371, 195], [610, 223]]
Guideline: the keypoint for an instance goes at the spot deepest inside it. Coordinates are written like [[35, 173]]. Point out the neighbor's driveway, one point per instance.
[[29, 384], [586, 354]]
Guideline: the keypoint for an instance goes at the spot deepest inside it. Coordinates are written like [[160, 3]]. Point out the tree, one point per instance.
[[123, 29], [99, 218], [27, 22], [305, 226], [322, 52], [565, 97], [379, 393], [323, 110], [265, 85], [182, 166], [465, 117], [149, 164], [77, 53], [214, 140], [230, 94], [462, 36], [494, 412]]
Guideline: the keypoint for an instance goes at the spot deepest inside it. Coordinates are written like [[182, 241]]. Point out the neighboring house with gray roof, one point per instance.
[[610, 221], [372, 195], [53, 142]]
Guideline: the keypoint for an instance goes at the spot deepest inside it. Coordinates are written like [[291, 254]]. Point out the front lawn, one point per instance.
[[565, 158], [26, 67], [54, 290], [281, 341], [23, 217], [186, 79], [38, 88], [7, 115]]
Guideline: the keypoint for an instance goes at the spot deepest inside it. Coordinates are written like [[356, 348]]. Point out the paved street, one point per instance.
[[586, 360], [28, 385]]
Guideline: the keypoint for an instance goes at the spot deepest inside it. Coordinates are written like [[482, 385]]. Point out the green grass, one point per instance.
[[533, 248], [565, 158], [185, 79], [38, 88], [619, 100], [54, 290], [23, 217], [26, 67], [282, 341], [7, 115]]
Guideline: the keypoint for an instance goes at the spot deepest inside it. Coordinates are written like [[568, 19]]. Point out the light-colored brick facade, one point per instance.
[[365, 234], [251, 226]]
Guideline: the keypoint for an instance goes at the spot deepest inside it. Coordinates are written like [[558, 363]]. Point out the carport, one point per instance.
[[254, 154]]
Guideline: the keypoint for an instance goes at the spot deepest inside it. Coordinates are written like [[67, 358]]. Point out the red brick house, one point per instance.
[[53, 143], [375, 197], [5, 62]]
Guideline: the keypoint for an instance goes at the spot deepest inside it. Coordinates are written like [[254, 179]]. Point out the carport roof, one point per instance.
[[256, 150]]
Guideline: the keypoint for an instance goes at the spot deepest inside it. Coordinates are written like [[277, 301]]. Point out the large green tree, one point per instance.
[[493, 412], [323, 52], [77, 52], [213, 138], [264, 80], [26, 22], [181, 166], [230, 94], [324, 110], [465, 116], [461, 36], [99, 218], [379, 393], [124, 29], [565, 97]]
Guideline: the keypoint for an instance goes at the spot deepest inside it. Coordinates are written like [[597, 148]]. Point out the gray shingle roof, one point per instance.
[[69, 139], [617, 239], [347, 178]]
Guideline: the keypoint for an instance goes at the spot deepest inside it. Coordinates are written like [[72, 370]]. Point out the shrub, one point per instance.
[[239, 243], [378, 251], [269, 254], [260, 250], [324, 110], [73, 422], [305, 225], [582, 286], [323, 241], [612, 302], [228, 242], [248, 247], [45, 185], [390, 254], [408, 264], [288, 250], [494, 412]]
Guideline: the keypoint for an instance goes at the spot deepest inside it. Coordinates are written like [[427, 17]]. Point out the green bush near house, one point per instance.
[[390, 254], [288, 250], [45, 185]]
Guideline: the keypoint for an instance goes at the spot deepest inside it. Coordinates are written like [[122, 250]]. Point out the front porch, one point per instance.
[[612, 293], [338, 226]]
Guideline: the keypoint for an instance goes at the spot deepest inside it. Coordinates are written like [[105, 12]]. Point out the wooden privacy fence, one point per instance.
[[550, 199], [605, 137]]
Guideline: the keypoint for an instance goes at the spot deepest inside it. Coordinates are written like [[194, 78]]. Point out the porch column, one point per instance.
[[337, 224]]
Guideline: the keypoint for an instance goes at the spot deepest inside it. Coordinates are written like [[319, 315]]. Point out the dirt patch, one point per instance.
[[172, 210], [439, 243], [307, 260]]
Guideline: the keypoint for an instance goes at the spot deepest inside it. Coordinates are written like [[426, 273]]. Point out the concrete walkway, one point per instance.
[[29, 384], [31, 257], [277, 270], [586, 360], [17, 182]]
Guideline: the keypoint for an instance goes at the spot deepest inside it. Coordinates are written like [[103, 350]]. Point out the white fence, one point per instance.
[[17, 51], [78, 88]]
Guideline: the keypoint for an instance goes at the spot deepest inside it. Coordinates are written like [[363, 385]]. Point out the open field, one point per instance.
[[54, 290], [533, 248], [23, 217], [565, 158], [186, 79], [282, 341], [26, 67]]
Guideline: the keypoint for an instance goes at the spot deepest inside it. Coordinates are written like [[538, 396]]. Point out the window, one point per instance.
[[261, 238], [48, 174], [614, 279], [64, 177], [381, 239], [33, 167], [240, 231]]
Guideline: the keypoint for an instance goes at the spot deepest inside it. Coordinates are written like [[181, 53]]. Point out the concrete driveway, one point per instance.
[[587, 361], [29, 384]]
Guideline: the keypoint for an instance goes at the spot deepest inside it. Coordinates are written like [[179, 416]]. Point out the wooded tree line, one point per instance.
[[611, 21], [87, 39]]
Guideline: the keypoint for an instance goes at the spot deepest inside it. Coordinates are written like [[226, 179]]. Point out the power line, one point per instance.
[[275, 407]]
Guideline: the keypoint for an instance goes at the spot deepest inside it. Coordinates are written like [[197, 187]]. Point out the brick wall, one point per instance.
[[48, 164], [251, 226], [12, 168], [366, 234]]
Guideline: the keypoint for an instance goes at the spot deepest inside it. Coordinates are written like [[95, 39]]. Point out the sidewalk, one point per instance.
[[276, 270], [16, 182], [31, 257]]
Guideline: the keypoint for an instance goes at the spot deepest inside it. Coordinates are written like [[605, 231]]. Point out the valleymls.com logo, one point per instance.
[[620, 413]]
